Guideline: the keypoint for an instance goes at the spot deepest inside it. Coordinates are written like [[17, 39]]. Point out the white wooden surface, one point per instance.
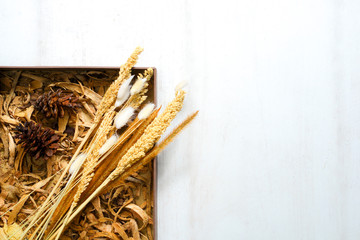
[[275, 152]]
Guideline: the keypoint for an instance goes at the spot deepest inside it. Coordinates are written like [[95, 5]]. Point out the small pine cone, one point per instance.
[[53, 104], [36, 140]]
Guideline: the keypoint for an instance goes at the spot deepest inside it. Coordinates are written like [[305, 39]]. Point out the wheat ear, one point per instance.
[[151, 155], [47, 201], [109, 163], [152, 133], [91, 160], [110, 95], [137, 99]]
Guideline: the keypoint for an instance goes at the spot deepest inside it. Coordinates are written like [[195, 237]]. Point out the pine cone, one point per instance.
[[53, 104], [36, 140]]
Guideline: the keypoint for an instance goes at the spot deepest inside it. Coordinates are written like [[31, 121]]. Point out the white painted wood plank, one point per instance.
[[275, 152]]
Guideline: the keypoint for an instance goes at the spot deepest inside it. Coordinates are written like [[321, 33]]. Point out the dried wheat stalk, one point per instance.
[[110, 95], [151, 134], [151, 155]]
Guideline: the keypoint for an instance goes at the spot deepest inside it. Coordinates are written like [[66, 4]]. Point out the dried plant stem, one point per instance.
[[103, 166], [67, 200], [111, 161], [48, 209], [106, 164], [41, 209], [90, 162], [151, 155], [151, 134], [110, 95], [47, 214], [111, 156]]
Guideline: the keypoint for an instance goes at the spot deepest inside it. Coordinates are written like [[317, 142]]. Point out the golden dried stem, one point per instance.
[[93, 156], [151, 134], [110, 162], [110, 95], [149, 156], [107, 163], [48, 199], [91, 160]]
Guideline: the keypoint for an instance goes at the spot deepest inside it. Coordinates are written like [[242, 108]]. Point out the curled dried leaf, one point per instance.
[[93, 96], [7, 119], [139, 213], [12, 191], [25, 114]]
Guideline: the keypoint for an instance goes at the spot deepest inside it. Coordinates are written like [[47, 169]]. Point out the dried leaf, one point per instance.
[[17, 208], [86, 119], [98, 75], [3, 235], [134, 229], [11, 190], [35, 85], [35, 77], [76, 133], [9, 120], [139, 213], [19, 158], [120, 230], [12, 147], [63, 121], [40, 184], [26, 113], [93, 96], [97, 206], [5, 141]]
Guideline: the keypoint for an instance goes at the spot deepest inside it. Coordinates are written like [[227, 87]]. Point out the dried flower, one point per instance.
[[108, 144], [123, 117], [152, 133], [123, 93], [146, 111], [111, 94], [77, 163], [138, 86]]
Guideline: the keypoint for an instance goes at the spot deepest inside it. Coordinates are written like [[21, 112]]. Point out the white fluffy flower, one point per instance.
[[123, 117], [138, 86], [77, 163], [146, 111], [108, 144]]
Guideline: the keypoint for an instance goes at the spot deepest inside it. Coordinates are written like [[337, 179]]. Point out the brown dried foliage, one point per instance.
[[110, 215]]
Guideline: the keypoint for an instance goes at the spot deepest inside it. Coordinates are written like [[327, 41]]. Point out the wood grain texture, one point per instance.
[[275, 151]]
